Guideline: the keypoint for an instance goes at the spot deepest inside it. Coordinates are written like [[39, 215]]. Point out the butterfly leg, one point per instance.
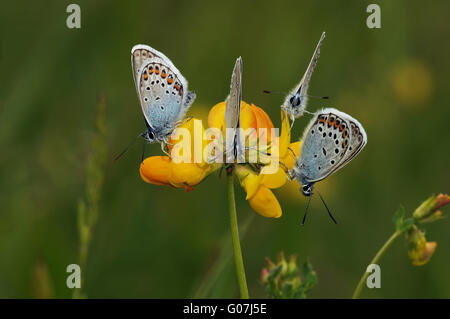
[[292, 151], [292, 120], [182, 122], [164, 147]]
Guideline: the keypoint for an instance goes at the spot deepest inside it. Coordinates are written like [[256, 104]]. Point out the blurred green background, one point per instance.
[[153, 241]]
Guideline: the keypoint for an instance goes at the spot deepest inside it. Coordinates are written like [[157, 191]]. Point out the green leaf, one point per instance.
[[398, 218], [402, 224], [308, 273], [309, 280], [287, 290], [274, 272], [406, 225]]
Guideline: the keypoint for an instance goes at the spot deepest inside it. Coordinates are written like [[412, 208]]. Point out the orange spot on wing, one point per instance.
[[329, 122]]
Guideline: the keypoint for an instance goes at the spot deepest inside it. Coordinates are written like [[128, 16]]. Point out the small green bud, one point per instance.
[[283, 280], [431, 206]]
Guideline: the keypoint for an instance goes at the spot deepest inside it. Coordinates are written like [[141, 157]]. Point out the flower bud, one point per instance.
[[419, 250], [431, 206], [264, 275], [283, 263], [292, 268], [284, 280]]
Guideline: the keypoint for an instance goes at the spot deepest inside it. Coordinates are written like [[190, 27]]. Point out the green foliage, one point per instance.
[[152, 241], [401, 223], [88, 208], [283, 280]]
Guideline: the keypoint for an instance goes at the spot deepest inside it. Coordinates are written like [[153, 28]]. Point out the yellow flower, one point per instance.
[[162, 170], [257, 186]]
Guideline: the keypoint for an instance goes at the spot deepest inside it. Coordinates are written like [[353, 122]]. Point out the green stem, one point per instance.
[[235, 239], [375, 260]]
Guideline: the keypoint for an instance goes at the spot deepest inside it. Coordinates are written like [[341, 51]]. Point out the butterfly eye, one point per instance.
[[306, 190]]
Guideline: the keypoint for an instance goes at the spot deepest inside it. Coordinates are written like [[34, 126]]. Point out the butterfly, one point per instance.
[[162, 91], [296, 100], [331, 140], [234, 147]]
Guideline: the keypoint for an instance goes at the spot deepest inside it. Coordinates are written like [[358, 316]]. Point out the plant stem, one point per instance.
[[375, 260], [88, 208], [235, 239]]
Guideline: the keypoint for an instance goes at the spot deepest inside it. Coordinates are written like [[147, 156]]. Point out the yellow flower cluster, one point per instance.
[[161, 170]]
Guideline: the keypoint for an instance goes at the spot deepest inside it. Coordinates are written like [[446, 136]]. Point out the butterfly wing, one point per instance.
[[296, 101], [233, 102], [358, 139], [161, 88], [233, 106], [326, 142]]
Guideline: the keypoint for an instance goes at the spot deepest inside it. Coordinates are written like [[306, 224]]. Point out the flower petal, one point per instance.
[[293, 151], [155, 170], [216, 116], [265, 203], [274, 180], [285, 136], [262, 122], [186, 174], [251, 184], [248, 118]]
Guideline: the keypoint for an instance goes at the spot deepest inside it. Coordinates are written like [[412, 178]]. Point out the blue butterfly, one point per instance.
[[162, 91]]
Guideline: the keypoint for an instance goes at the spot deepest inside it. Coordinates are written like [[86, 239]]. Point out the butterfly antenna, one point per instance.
[[306, 211], [129, 145], [275, 92], [318, 97], [187, 119], [328, 210]]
